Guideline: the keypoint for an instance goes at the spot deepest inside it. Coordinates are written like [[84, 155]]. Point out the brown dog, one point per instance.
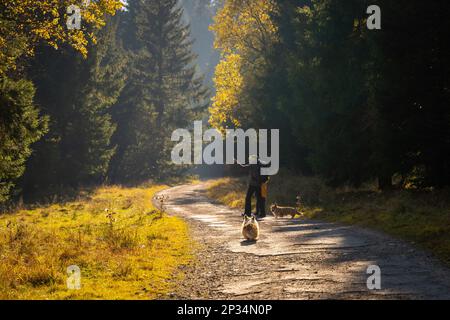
[[280, 212], [250, 228]]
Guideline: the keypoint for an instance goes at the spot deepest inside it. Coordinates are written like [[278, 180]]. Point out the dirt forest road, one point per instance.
[[296, 259]]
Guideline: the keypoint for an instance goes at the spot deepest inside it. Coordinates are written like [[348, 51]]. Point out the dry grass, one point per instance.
[[422, 217], [131, 251]]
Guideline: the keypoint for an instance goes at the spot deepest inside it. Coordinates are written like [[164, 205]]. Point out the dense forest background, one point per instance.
[[98, 105], [101, 112]]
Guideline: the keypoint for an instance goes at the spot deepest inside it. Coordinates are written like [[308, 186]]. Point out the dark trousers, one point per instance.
[[260, 201]]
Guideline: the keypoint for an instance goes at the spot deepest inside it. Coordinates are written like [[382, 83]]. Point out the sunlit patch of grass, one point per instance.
[[422, 217], [125, 248], [229, 191]]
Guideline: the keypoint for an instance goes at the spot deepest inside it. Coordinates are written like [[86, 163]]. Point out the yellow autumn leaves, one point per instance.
[[244, 31], [24, 23], [229, 82]]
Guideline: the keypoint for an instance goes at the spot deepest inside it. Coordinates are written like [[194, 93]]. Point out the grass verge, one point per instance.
[[421, 217], [124, 247]]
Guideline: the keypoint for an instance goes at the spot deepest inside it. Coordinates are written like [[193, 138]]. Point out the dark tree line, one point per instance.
[[353, 104]]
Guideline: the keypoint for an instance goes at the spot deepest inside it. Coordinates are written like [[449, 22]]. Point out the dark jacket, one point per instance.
[[255, 177]]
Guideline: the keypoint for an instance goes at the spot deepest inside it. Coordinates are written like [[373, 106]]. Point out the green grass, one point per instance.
[[421, 217], [131, 251]]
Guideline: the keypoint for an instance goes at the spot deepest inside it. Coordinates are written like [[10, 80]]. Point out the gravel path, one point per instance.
[[296, 259]]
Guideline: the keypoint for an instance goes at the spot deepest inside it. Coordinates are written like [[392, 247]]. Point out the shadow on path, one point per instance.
[[301, 259]]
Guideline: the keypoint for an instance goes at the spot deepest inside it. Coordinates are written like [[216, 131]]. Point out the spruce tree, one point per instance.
[[163, 93], [20, 126], [77, 94]]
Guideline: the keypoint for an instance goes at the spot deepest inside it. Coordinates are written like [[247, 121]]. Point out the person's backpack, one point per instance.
[[264, 190]]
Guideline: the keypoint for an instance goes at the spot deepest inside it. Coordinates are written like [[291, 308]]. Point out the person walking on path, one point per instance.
[[257, 185]]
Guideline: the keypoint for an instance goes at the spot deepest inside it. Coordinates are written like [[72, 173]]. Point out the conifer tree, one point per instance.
[[163, 93], [77, 94], [20, 126]]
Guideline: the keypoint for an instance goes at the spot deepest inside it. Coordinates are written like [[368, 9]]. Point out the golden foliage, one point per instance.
[[24, 23], [244, 27], [244, 31], [229, 82]]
